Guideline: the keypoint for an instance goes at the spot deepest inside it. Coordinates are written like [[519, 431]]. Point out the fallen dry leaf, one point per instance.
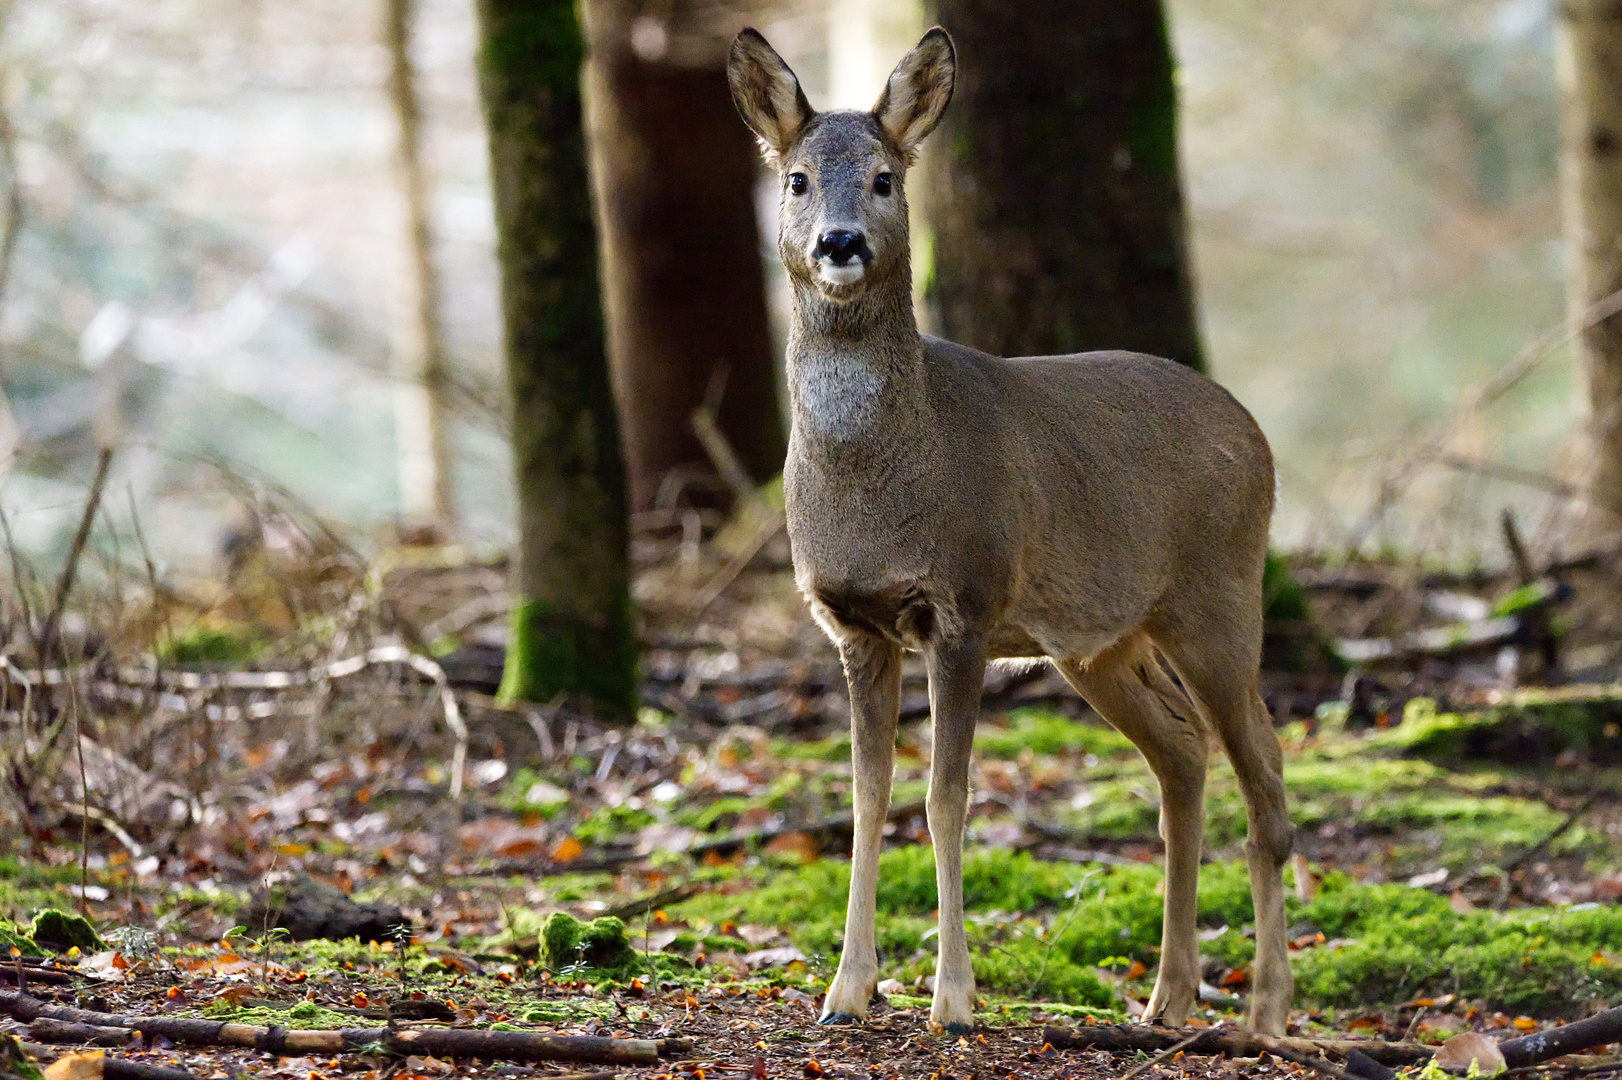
[[1460, 1051], [86, 1066]]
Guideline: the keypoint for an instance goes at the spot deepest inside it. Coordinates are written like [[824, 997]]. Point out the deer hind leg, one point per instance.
[[873, 669], [1127, 686], [1219, 668]]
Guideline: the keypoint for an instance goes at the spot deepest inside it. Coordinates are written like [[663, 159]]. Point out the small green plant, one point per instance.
[[135, 941]]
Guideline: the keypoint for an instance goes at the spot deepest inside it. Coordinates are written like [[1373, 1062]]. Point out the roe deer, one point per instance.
[[1089, 509]]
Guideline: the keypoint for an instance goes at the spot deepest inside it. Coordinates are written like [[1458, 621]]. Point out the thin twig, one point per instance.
[[1169, 1052], [1502, 899], [1287, 1054], [70, 569], [718, 584]]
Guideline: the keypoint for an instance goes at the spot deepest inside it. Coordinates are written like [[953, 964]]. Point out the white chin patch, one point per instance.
[[849, 274]]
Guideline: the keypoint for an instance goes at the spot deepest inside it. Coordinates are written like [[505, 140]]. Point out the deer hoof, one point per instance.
[[839, 1018]]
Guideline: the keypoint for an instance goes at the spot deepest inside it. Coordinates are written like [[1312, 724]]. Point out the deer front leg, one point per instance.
[[956, 673], [873, 669]]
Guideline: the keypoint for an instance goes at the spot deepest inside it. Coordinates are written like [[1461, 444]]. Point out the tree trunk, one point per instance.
[[422, 411], [684, 288], [1589, 65], [1054, 192], [572, 626]]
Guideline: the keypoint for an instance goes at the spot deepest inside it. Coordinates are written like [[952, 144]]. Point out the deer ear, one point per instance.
[[918, 92], [767, 95]]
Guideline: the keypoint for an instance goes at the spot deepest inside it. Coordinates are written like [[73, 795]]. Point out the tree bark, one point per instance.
[[1589, 66], [572, 629], [422, 411], [1054, 193], [683, 284]]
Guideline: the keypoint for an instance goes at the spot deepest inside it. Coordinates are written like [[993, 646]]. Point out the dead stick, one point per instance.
[[1502, 899], [673, 895], [452, 1042], [722, 455], [725, 576], [1517, 547], [1597, 1030], [70, 569], [1217, 1041], [821, 830], [1275, 1047], [1170, 1051]]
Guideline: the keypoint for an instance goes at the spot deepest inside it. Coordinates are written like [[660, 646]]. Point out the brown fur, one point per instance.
[[1092, 509]]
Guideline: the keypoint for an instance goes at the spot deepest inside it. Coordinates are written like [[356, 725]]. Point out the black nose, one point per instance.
[[840, 246]]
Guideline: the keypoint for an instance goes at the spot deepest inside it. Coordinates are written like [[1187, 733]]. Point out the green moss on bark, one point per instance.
[[550, 653]]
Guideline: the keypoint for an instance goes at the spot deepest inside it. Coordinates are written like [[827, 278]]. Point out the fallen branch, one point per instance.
[[439, 1042], [1597, 1030], [1225, 1041], [20, 974], [48, 1030], [673, 895], [1438, 642]]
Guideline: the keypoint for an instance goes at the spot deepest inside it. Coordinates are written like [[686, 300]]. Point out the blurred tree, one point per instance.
[[1589, 67], [1054, 194], [422, 411], [683, 284], [572, 626]]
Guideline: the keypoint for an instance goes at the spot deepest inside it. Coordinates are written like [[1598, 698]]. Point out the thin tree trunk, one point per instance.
[[1054, 193], [422, 412], [573, 631], [1589, 66], [684, 288]]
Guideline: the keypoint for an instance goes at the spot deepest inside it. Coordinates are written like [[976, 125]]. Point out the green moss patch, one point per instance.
[[1040, 931], [61, 931], [1407, 942], [1043, 731], [566, 942]]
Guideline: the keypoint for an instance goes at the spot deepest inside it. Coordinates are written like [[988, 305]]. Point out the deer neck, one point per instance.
[[855, 370]]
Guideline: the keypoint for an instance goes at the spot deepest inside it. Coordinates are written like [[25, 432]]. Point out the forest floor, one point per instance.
[[1459, 853]]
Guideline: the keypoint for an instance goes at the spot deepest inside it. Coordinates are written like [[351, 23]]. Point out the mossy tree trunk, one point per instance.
[[1054, 195], [573, 631], [1590, 74], [684, 286]]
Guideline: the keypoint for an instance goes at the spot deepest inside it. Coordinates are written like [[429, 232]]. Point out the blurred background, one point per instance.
[[225, 215]]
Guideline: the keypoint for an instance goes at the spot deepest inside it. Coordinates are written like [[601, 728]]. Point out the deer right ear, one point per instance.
[[767, 95]]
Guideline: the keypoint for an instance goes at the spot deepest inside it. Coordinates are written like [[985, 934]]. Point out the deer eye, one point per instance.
[[797, 183], [881, 183]]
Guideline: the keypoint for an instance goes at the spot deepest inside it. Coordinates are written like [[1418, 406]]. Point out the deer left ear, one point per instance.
[[918, 92]]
